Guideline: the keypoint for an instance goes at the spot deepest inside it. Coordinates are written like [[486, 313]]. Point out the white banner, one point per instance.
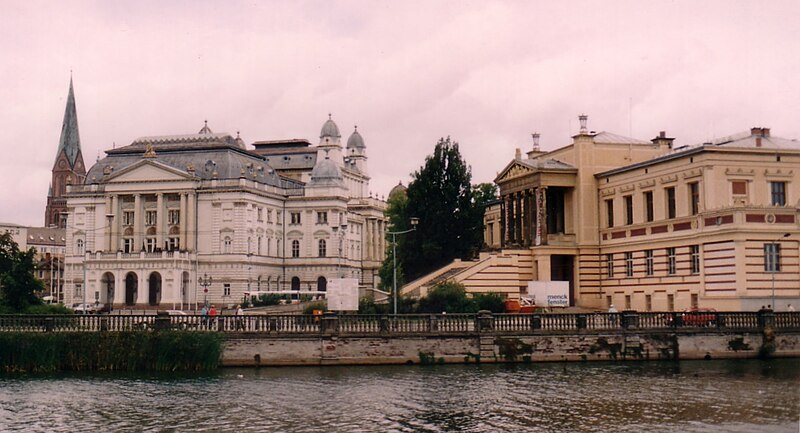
[[549, 293], [342, 294]]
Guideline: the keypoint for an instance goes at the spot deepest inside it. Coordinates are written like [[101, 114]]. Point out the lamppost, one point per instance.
[[414, 221], [342, 234], [774, 265], [205, 281]]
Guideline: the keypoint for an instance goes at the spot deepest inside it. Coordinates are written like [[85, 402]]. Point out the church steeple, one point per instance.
[[68, 167]]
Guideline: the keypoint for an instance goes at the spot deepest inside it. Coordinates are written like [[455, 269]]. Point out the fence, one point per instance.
[[330, 323]]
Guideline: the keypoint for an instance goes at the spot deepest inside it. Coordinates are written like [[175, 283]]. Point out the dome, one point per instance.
[[398, 189], [325, 170], [355, 140], [329, 129]]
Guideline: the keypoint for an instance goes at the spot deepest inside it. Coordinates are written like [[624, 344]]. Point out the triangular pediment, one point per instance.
[[513, 170], [148, 170]]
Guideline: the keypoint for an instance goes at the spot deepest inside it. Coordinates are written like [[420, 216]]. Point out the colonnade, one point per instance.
[[186, 223], [523, 217]]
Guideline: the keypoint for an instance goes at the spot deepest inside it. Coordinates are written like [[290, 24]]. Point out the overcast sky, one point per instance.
[[485, 73]]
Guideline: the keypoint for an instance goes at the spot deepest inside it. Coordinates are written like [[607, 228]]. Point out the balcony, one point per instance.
[[140, 255]]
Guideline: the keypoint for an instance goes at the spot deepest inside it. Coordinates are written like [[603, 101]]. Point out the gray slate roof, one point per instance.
[[70, 141]]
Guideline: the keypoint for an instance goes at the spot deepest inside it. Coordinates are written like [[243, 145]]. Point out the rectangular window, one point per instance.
[[322, 217], [694, 197], [670, 302], [174, 217], [629, 264], [670, 192], [694, 252], [778, 190], [260, 214], [295, 218], [671, 261], [127, 245], [628, 209], [226, 289], [78, 290], [150, 217], [174, 243], [269, 215], [648, 206], [695, 300], [610, 212], [127, 218], [608, 301], [150, 244], [648, 262], [627, 302], [610, 265], [648, 302], [772, 257]]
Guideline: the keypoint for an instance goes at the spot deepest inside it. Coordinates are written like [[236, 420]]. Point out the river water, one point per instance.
[[689, 396]]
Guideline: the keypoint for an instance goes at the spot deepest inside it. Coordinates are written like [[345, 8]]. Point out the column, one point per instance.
[[519, 218], [137, 222], [183, 221], [160, 221], [107, 224], [115, 223], [369, 235], [543, 210], [191, 222], [539, 213]]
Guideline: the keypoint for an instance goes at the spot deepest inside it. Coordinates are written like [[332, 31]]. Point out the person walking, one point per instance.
[[612, 318], [204, 313], [212, 313], [239, 318]]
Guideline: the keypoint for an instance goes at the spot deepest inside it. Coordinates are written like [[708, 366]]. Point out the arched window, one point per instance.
[[79, 246], [322, 248], [295, 283], [295, 252], [226, 245], [322, 284]]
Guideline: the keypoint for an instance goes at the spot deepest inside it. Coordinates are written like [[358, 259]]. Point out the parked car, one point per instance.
[[700, 317], [89, 308]]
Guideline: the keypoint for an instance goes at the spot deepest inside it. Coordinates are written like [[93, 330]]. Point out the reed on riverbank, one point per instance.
[[37, 352]]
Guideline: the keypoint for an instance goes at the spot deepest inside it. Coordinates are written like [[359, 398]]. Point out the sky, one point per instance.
[[486, 73]]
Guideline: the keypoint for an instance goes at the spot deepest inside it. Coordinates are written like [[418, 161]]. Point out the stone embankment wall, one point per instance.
[[266, 350]]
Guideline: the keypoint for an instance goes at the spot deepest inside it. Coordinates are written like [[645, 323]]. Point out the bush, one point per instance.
[[319, 305], [447, 297], [265, 300], [493, 302], [48, 309]]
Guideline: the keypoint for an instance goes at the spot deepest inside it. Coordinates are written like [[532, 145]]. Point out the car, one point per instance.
[[700, 317], [89, 308]]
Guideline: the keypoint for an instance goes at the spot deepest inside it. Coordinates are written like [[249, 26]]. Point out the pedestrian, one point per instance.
[[212, 313], [790, 309], [204, 313], [612, 317], [239, 318]]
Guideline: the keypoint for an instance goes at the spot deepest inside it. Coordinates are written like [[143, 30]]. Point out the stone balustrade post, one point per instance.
[[329, 323], [630, 319], [580, 321], [485, 321], [433, 323]]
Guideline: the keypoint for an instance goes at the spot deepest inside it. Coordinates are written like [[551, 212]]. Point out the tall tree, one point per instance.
[[450, 223], [396, 214], [18, 284]]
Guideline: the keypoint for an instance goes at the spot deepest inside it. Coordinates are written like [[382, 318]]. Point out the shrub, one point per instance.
[[48, 309], [319, 305], [493, 302], [447, 297]]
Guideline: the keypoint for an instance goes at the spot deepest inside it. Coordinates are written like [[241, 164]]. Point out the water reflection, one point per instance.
[[700, 396]]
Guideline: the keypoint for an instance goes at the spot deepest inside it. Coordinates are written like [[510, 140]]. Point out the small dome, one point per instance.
[[329, 129], [355, 140], [205, 130], [325, 170], [398, 189], [239, 142]]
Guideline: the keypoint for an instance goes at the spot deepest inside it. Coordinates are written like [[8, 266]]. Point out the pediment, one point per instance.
[[513, 170], [149, 171]]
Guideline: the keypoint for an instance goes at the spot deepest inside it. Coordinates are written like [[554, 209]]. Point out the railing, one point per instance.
[[459, 324]]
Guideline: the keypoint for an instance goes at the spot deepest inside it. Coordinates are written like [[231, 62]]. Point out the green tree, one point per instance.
[[396, 215], [450, 221], [447, 297], [18, 284]]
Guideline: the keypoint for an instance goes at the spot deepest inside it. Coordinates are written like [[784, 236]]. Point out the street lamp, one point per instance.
[[774, 265], [205, 281], [414, 221]]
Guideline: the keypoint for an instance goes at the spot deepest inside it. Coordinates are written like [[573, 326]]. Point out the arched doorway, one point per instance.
[[154, 289], [107, 288], [322, 284], [295, 286], [131, 288]]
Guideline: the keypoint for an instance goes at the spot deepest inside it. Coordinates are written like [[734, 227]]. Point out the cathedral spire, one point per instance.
[[70, 141]]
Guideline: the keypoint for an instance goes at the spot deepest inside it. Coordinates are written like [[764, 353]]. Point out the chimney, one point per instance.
[[582, 119], [536, 151], [765, 132], [758, 141], [517, 154], [756, 132], [662, 141]]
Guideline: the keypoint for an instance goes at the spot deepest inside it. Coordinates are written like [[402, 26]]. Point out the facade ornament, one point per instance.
[[149, 152]]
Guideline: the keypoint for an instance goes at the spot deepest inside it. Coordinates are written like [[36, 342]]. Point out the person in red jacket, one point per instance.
[[212, 313]]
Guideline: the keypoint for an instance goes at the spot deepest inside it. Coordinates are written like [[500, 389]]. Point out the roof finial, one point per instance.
[[237, 134], [356, 127], [582, 119], [329, 116]]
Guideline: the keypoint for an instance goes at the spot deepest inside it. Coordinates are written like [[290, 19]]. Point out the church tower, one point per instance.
[[68, 168]]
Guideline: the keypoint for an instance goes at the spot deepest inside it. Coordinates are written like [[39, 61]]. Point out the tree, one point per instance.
[[450, 221], [18, 284]]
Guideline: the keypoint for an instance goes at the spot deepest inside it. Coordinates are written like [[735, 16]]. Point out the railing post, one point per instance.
[[48, 324], [162, 322], [766, 319], [433, 324], [383, 323], [630, 319], [273, 324], [329, 323], [536, 321], [580, 321], [485, 321]]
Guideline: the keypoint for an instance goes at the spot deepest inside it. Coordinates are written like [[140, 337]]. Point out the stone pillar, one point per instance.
[[183, 221], [138, 218], [143, 290], [503, 231], [116, 222], [191, 222], [518, 219], [160, 220]]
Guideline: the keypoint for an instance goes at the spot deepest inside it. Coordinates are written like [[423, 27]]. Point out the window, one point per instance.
[[670, 302], [295, 248], [778, 190], [648, 302], [772, 257], [78, 290], [127, 245], [670, 192], [695, 300], [671, 263], [259, 238], [648, 262], [629, 264], [627, 302], [648, 206], [322, 217], [226, 245], [610, 265], [694, 197], [79, 246], [127, 218], [174, 217], [295, 218], [628, 209], [150, 244], [322, 248], [260, 214], [174, 243], [694, 253], [269, 215], [610, 212], [608, 301], [150, 217], [226, 289]]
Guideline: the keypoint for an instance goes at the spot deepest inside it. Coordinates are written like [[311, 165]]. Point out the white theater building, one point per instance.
[[156, 216]]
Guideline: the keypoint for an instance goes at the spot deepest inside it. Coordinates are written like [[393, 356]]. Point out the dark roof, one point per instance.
[[70, 141]]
